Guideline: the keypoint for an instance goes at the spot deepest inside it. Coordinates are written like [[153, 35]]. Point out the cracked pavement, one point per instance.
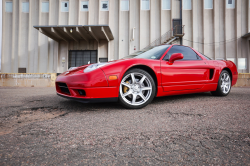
[[37, 127]]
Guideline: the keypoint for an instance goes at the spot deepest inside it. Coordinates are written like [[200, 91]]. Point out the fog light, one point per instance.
[[82, 92]]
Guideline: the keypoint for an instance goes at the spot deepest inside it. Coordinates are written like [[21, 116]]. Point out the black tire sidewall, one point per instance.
[[136, 70]]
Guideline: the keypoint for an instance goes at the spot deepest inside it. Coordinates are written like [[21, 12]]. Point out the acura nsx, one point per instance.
[[157, 71]]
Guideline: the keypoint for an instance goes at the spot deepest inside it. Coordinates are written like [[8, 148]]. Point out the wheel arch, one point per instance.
[[229, 71], [147, 69]]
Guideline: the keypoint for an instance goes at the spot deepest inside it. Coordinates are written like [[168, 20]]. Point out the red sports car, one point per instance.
[[153, 72]]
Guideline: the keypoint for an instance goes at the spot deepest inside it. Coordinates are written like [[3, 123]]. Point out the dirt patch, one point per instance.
[[24, 117]]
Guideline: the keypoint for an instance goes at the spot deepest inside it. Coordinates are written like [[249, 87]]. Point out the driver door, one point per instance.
[[190, 73]]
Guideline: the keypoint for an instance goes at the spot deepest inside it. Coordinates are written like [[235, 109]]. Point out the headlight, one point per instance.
[[93, 67]]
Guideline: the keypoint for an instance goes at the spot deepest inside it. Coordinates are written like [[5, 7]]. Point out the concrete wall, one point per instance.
[[215, 32], [28, 79]]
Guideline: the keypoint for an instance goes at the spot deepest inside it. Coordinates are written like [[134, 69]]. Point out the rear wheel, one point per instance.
[[137, 89], [224, 84]]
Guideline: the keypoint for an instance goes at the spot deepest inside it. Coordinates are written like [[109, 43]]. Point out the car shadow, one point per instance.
[[181, 97], [74, 105]]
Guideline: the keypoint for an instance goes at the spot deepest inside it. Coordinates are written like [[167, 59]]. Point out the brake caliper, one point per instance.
[[125, 89]]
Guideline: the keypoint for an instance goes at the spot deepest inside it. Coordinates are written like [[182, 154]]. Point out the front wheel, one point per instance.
[[224, 84], [137, 89]]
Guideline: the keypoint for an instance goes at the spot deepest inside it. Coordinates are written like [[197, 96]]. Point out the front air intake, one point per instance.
[[63, 87]]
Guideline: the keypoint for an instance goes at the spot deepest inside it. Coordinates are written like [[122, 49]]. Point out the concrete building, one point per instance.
[[49, 36]]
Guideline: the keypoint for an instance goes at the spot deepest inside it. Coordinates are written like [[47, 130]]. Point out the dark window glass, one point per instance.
[[155, 52], [85, 6], [187, 52], [104, 6], [78, 58], [230, 1], [21, 70], [103, 59], [65, 4]]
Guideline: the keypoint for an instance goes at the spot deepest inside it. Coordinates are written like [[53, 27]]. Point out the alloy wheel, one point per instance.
[[135, 89], [225, 83]]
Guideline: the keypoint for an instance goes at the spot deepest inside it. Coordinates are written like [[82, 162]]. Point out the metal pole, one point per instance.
[[181, 19]]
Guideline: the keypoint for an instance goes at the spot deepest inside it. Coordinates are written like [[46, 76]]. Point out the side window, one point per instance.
[[187, 52]]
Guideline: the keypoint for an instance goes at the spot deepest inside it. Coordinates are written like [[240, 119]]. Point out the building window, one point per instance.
[[124, 5], [230, 4], [25, 7], [166, 5], [187, 5], [45, 7], [231, 59], [8, 7], [84, 6], [208, 4], [65, 6], [242, 63], [145, 5], [104, 5]]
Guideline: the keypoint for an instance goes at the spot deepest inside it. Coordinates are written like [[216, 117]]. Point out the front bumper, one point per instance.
[[93, 100], [86, 86]]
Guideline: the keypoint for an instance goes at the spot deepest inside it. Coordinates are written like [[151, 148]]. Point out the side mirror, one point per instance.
[[175, 56]]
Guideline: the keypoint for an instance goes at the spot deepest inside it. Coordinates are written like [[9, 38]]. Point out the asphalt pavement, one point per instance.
[[37, 127]]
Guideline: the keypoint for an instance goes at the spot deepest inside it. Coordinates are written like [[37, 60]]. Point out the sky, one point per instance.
[[0, 32]]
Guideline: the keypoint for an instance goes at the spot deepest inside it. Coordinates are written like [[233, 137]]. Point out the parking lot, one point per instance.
[[39, 128]]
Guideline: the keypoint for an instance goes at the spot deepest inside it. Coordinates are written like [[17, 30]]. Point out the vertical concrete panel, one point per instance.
[[208, 32], [63, 16], [166, 21], [176, 9], [195, 16], [230, 33], [144, 27], [15, 28], [83, 15], [248, 16], [222, 48], [93, 45], [216, 33], [23, 37], [53, 45], [244, 12], [104, 17], [93, 12], [114, 26], [124, 31], [33, 35], [134, 22], [187, 21], [243, 44], [43, 42], [73, 12], [63, 55], [248, 53], [155, 20], [103, 48], [200, 26], [7, 40]]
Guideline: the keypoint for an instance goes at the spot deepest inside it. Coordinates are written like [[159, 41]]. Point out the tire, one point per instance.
[[224, 84], [137, 89]]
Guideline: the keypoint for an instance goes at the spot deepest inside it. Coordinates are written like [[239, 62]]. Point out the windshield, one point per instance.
[[149, 53]]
